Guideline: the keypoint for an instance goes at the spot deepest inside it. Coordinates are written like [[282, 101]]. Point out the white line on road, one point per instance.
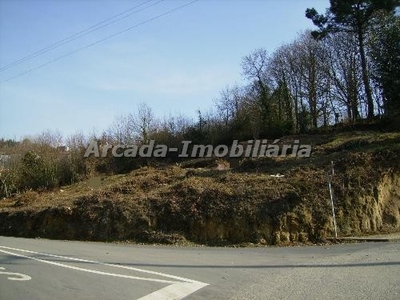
[[176, 290], [87, 270], [15, 276]]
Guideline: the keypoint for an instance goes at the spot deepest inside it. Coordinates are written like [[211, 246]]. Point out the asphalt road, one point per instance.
[[45, 269]]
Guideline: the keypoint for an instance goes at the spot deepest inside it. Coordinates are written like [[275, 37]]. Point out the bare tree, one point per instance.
[[76, 141], [255, 68], [49, 138], [313, 82], [143, 123], [343, 67], [286, 66], [121, 131], [229, 103], [255, 65]]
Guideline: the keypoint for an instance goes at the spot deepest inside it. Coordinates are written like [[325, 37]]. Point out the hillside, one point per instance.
[[216, 205]]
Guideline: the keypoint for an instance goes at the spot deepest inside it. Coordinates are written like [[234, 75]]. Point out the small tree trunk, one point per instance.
[[370, 101]]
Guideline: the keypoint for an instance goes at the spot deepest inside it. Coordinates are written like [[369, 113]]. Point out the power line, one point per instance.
[[82, 33], [103, 39], [79, 34]]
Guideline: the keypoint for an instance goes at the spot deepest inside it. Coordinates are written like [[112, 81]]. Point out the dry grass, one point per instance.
[[214, 204]]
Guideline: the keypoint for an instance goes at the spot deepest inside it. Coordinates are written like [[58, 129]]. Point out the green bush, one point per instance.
[[37, 172]]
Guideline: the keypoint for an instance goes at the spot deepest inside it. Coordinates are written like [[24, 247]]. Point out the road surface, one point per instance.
[[46, 269]]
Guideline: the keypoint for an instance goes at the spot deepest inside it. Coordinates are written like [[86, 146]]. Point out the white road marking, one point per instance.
[[15, 276], [178, 289], [87, 270], [175, 291]]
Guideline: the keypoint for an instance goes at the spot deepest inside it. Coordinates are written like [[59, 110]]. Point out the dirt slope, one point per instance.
[[216, 207]]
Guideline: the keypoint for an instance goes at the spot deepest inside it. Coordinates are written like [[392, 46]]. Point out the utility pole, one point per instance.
[[330, 177]]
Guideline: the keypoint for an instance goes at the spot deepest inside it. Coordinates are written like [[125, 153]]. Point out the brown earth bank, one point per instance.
[[215, 205]]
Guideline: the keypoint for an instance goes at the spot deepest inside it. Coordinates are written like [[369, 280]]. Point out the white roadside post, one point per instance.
[[330, 176]]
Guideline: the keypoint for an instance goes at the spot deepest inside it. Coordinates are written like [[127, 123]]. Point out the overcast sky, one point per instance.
[[177, 63]]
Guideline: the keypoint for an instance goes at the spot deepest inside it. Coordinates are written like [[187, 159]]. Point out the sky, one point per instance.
[[176, 63]]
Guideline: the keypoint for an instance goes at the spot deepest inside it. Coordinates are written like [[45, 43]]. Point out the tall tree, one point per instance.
[[286, 64], [255, 66], [279, 70], [352, 16], [311, 57], [385, 55], [343, 69]]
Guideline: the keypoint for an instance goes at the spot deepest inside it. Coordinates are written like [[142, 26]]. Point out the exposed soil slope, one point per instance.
[[214, 206]]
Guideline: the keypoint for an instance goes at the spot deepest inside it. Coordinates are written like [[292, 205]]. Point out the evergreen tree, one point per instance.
[[352, 16]]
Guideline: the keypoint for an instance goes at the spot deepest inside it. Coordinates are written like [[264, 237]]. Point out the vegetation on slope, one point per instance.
[[227, 206]]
